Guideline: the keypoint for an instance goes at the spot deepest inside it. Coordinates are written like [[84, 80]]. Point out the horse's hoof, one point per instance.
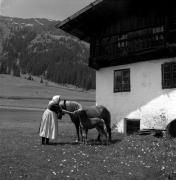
[[77, 141]]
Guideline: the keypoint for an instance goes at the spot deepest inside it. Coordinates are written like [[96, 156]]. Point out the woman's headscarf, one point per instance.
[[56, 99]]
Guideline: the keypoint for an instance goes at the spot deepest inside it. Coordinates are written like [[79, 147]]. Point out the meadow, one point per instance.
[[128, 157], [22, 156], [20, 92]]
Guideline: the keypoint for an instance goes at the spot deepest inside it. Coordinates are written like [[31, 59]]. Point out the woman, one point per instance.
[[49, 124]]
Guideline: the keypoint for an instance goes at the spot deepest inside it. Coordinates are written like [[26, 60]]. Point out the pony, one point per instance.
[[90, 123], [98, 111]]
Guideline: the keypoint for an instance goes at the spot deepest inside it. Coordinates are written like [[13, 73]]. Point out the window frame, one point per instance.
[[122, 84], [168, 76]]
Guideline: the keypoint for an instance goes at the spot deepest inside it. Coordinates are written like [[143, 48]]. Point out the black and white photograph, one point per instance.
[[87, 90]]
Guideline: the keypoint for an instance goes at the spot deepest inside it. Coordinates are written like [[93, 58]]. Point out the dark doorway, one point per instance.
[[171, 129], [132, 125]]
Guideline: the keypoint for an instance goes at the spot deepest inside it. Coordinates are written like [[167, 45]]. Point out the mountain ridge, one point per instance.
[[36, 47]]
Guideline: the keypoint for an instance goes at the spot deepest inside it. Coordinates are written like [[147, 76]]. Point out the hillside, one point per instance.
[[34, 46], [20, 92]]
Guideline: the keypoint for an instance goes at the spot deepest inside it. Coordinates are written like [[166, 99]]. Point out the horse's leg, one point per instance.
[[84, 136], [109, 132], [81, 133], [86, 132], [99, 129], [98, 137], [102, 132], [77, 131], [77, 124]]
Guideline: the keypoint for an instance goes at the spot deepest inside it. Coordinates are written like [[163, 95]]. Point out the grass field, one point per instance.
[[128, 157], [11, 86], [23, 157], [15, 91]]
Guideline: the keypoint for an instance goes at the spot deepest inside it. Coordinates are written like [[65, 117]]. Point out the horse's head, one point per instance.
[[63, 104], [68, 108]]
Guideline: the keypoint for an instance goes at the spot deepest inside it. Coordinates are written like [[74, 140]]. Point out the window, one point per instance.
[[122, 80], [169, 75], [158, 33], [122, 41]]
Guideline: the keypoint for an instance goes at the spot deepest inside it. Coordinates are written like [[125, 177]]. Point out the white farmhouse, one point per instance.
[[133, 50]]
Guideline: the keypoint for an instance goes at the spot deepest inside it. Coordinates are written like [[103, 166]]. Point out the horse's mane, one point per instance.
[[71, 105]]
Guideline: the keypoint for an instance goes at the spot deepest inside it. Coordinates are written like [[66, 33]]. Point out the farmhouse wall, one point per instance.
[[147, 101]]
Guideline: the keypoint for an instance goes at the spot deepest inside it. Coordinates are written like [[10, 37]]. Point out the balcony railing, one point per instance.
[[125, 44]]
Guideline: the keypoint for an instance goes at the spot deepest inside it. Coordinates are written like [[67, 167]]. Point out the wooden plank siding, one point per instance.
[[134, 39], [125, 38]]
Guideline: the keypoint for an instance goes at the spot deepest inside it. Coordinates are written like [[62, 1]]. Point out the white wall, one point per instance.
[[147, 101]]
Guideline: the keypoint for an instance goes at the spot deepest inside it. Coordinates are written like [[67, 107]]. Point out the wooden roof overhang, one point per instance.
[[86, 22]]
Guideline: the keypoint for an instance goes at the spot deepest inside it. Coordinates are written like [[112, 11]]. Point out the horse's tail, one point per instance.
[[104, 124], [107, 120]]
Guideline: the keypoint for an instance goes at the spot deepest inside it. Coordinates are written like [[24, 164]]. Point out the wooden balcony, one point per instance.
[[141, 45]]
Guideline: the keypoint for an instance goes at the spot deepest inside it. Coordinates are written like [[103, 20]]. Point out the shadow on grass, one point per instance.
[[62, 143], [91, 142], [94, 142], [114, 141]]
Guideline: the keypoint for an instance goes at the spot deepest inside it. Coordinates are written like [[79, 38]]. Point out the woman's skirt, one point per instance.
[[49, 125]]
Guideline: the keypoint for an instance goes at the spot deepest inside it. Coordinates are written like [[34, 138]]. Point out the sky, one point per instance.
[[51, 9]]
